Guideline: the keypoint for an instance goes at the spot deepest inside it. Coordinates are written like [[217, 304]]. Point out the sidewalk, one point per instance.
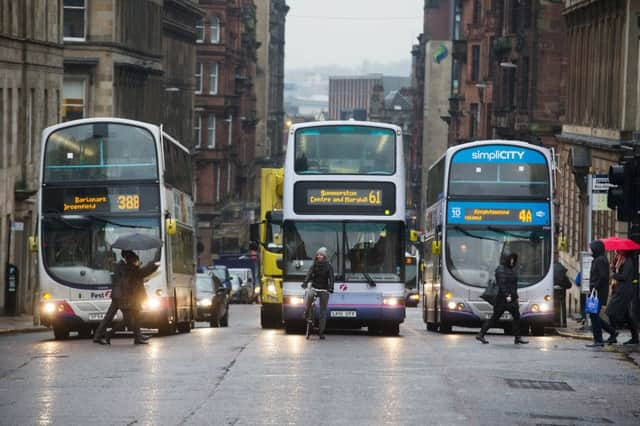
[[19, 324], [576, 330]]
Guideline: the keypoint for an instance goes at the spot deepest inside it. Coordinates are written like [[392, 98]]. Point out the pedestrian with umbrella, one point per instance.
[[621, 305], [128, 292]]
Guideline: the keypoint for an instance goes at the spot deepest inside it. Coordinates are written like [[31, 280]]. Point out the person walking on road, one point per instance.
[[128, 294], [620, 308], [321, 276], [507, 299], [599, 280]]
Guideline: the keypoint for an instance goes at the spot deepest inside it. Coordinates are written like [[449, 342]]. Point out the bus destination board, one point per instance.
[[364, 198], [90, 200], [491, 213]]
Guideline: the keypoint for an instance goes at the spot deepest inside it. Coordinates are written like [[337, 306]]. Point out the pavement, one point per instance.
[[19, 324]]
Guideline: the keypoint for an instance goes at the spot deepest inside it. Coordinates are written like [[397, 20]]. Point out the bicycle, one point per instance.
[[309, 314]]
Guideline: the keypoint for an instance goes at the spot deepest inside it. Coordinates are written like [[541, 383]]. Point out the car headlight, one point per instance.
[[414, 297], [204, 303], [271, 288], [256, 290], [151, 304]]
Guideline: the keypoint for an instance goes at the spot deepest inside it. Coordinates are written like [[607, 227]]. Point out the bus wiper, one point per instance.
[[469, 234], [503, 232], [99, 219], [370, 280]]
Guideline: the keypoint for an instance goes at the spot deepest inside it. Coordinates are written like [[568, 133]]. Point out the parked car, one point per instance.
[[212, 300], [247, 283]]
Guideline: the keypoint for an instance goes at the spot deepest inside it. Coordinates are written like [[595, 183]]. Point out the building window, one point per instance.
[[215, 30], [200, 31], [198, 78], [73, 100], [228, 177], [475, 63], [213, 78], [218, 184], [211, 131], [473, 121], [477, 11], [74, 20], [523, 95], [197, 129]]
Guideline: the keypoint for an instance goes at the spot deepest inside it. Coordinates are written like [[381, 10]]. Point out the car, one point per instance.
[[248, 293], [236, 290], [212, 300], [411, 297]]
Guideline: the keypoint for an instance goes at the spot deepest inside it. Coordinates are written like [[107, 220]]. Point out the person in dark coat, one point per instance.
[[561, 284], [599, 280], [507, 299], [619, 309], [128, 294], [321, 276]]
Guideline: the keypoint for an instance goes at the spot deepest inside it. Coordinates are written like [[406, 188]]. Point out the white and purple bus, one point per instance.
[[484, 198]]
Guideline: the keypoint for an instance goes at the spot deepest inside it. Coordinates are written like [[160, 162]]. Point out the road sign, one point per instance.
[[599, 188]]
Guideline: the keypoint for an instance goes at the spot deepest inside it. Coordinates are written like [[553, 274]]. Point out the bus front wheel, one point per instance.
[[537, 329], [167, 329], [392, 329], [432, 326]]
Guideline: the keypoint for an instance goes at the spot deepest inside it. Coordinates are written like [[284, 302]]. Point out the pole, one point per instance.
[[589, 209]]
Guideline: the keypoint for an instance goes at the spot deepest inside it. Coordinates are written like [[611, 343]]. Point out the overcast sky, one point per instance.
[[349, 32]]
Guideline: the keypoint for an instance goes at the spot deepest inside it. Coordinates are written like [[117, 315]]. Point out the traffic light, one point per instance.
[[622, 197]]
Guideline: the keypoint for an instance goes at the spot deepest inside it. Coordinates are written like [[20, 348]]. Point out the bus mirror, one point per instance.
[[277, 239], [33, 243], [171, 226], [435, 247], [414, 235], [562, 243]]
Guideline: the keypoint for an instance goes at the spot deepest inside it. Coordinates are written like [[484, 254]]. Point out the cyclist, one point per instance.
[[321, 277]]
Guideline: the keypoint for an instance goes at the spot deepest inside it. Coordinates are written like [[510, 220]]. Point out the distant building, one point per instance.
[[350, 96], [224, 126], [31, 68]]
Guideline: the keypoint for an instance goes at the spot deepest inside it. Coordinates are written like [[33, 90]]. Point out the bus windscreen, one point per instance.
[[345, 149], [499, 171], [100, 151]]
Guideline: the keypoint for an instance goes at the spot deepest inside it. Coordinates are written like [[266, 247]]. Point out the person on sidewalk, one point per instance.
[[561, 284], [620, 308], [321, 276], [599, 280], [507, 299], [128, 294]]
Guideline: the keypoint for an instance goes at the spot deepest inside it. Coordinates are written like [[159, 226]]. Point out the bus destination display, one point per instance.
[[344, 197], [483, 213], [101, 200]]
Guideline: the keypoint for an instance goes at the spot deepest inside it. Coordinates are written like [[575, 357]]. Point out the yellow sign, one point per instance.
[[85, 203], [129, 202]]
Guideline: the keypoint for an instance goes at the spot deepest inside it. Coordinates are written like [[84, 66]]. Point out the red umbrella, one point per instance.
[[615, 243]]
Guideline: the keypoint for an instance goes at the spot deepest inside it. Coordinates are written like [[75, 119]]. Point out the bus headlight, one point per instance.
[[271, 287], [451, 305], [296, 300], [544, 307], [204, 303], [391, 301], [460, 306], [49, 308], [547, 298], [414, 297], [535, 308], [256, 290], [151, 304]]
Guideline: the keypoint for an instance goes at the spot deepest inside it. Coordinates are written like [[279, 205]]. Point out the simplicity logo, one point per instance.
[[498, 155]]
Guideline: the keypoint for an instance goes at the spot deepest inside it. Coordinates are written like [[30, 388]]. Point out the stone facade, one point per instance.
[[270, 32], [30, 85], [121, 68], [224, 126]]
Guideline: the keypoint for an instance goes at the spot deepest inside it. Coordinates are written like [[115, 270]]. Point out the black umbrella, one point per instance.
[[137, 242]]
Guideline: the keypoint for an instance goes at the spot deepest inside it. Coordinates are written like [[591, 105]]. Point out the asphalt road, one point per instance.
[[243, 375]]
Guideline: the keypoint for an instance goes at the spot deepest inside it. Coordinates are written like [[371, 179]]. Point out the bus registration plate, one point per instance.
[[506, 316], [343, 314], [96, 316]]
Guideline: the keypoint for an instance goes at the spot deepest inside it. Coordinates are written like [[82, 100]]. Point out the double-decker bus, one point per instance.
[[103, 178], [344, 189], [486, 198]]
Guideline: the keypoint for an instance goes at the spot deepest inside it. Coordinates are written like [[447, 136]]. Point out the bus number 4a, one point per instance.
[[525, 216]]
